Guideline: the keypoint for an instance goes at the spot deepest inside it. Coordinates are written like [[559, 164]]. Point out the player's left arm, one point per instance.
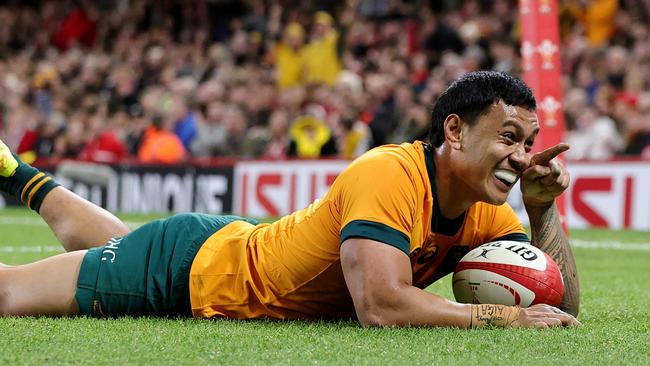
[[544, 180]]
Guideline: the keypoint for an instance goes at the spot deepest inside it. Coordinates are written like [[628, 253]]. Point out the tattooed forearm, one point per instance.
[[547, 235], [498, 315]]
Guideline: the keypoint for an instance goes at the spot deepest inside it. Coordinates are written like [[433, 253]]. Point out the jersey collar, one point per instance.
[[439, 223]]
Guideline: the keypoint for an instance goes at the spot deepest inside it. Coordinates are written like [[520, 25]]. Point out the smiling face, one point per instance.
[[489, 156]]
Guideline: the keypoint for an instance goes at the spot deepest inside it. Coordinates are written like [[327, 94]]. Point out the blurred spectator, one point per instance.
[[40, 141], [71, 138], [311, 138], [320, 56], [504, 55], [123, 89], [278, 144], [353, 138], [413, 126], [616, 62], [419, 70], [79, 25], [595, 138], [634, 111], [438, 38], [133, 134], [576, 101], [236, 127], [103, 146], [641, 121], [160, 145], [211, 132], [411, 118], [288, 56], [184, 122], [597, 18], [382, 106]]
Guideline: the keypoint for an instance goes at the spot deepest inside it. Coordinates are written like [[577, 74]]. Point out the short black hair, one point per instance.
[[472, 94]]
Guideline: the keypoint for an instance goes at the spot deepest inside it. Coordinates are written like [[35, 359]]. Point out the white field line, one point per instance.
[[30, 248], [616, 245], [35, 221]]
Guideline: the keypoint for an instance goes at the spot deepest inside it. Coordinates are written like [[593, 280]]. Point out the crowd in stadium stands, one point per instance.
[[163, 81]]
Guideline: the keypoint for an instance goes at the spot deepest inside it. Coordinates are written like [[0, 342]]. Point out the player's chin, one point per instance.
[[497, 192], [496, 197], [496, 202]]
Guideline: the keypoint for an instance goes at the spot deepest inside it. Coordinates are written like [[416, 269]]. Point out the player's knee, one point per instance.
[[5, 295], [9, 299]]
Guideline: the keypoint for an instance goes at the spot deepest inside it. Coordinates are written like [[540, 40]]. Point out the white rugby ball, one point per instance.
[[508, 273]]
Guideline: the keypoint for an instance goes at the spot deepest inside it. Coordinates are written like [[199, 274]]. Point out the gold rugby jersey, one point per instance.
[[291, 268]]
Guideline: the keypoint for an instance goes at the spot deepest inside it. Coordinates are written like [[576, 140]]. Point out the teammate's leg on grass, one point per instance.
[[77, 223], [46, 287]]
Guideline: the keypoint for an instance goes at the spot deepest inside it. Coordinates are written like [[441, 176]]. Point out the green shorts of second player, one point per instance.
[[146, 272]]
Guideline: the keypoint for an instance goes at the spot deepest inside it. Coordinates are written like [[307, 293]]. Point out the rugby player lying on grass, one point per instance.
[[396, 220]]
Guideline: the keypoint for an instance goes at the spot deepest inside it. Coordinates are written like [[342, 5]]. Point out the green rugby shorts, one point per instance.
[[146, 272]]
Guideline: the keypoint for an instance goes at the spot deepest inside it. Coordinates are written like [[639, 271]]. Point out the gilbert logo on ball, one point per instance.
[[508, 273]]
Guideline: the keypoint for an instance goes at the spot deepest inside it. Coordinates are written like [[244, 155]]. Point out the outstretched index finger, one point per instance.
[[544, 157]]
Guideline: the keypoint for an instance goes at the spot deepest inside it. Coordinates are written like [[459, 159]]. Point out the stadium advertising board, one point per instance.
[[144, 189], [611, 195], [275, 188], [607, 194], [175, 189]]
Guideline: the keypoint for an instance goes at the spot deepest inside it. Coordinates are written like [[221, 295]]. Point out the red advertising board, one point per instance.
[[609, 194], [275, 188], [604, 194]]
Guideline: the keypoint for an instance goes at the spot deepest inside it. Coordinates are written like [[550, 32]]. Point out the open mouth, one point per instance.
[[507, 177]]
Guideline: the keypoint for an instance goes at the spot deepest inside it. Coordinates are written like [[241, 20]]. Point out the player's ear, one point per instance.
[[454, 131]]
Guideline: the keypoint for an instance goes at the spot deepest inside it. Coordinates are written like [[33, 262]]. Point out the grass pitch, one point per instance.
[[614, 268]]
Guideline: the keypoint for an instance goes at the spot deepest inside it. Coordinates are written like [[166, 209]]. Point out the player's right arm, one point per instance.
[[379, 278]]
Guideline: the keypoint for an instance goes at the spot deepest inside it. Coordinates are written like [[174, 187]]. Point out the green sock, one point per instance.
[[28, 184]]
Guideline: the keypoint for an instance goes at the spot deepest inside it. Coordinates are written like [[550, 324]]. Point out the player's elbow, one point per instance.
[[371, 320], [376, 318], [380, 311]]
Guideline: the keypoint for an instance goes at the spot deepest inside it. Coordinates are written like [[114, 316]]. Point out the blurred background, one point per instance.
[[167, 81]]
